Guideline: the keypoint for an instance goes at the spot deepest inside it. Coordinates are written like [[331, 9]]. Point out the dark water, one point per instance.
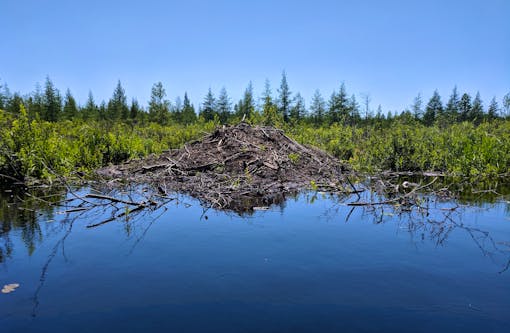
[[313, 265]]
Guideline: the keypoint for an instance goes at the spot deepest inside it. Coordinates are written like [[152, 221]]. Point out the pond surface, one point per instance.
[[313, 264]]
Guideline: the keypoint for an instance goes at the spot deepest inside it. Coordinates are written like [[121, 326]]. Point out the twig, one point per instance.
[[112, 199], [352, 186]]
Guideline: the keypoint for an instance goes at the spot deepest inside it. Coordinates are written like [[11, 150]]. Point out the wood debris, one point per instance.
[[236, 168]]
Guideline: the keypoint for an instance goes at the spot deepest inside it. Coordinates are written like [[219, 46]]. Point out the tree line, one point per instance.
[[47, 103]]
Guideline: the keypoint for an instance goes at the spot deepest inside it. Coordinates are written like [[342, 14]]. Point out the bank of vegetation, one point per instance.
[[44, 135]]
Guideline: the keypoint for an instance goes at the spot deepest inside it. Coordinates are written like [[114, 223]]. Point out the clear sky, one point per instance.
[[390, 49]]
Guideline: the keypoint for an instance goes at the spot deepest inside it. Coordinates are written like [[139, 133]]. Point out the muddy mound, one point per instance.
[[236, 167]]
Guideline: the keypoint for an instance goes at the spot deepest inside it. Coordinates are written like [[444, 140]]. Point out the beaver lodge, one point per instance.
[[237, 168]]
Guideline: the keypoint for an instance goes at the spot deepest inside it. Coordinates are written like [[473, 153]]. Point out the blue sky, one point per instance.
[[392, 50]]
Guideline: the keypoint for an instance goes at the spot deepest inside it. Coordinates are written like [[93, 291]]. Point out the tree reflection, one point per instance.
[[21, 210], [433, 220], [427, 209]]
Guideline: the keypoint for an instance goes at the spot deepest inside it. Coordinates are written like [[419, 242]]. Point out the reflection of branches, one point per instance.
[[419, 220], [506, 267], [142, 236], [418, 209], [44, 271], [96, 205]]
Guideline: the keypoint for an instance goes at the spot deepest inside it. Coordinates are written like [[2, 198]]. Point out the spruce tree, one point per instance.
[[433, 109], [224, 106], [452, 107], [208, 110], [134, 110], [298, 110], [343, 103], [36, 104], [354, 113], [90, 111], [159, 107], [117, 106], [246, 106], [465, 107], [284, 98], [176, 110], [3, 98], [267, 96], [70, 106], [333, 115], [318, 108], [339, 106], [102, 111], [379, 115], [14, 104], [506, 104], [476, 113], [417, 107], [493, 110], [366, 106], [269, 108], [52, 102], [188, 115]]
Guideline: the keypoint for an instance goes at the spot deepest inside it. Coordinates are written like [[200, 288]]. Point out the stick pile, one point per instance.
[[236, 168]]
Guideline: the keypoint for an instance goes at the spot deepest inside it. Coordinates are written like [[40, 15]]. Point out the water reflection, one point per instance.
[[426, 217], [22, 210], [102, 251], [437, 222]]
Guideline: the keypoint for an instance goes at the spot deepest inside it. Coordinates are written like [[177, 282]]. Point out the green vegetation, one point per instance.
[[460, 149], [37, 149], [43, 135]]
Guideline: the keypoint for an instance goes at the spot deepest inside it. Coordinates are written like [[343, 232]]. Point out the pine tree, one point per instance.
[[433, 109], [224, 106], [417, 107], [14, 104], [117, 106], [70, 107], [366, 105], [464, 107], [339, 106], [52, 102], [159, 107], [267, 96], [3, 98], [188, 115], [493, 110], [284, 98], [343, 103], [506, 104], [332, 114], [452, 107], [135, 110], [269, 108], [406, 117], [102, 111], [176, 110], [318, 108], [298, 110], [208, 110], [246, 106], [35, 102], [476, 113], [90, 111], [379, 115], [353, 107]]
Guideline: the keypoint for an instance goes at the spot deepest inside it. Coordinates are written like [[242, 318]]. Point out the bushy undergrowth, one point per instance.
[[460, 149], [35, 149]]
